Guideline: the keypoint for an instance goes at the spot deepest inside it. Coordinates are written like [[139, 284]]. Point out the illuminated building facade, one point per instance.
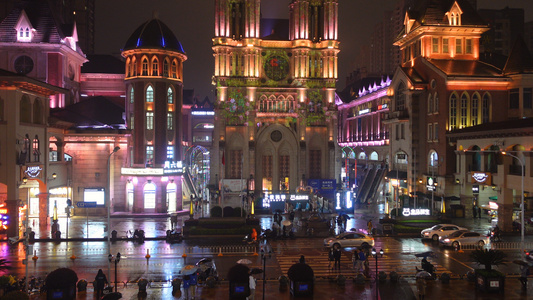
[[275, 119]]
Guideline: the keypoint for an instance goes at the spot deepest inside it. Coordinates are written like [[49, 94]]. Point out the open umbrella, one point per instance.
[[256, 271], [244, 261], [427, 254], [188, 270], [286, 223], [423, 274]]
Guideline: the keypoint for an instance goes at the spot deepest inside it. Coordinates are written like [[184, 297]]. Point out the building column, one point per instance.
[[43, 209], [505, 209]]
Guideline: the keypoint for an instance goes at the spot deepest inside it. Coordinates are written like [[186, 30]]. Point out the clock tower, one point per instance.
[[275, 89]]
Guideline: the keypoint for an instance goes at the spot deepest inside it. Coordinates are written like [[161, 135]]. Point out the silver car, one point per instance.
[[464, 237], [439, 230], [349, 239]]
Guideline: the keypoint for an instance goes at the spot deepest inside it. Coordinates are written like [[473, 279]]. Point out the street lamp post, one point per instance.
[[375, 254], [522, 165], [264, 258], [108, 205], [117, 259]]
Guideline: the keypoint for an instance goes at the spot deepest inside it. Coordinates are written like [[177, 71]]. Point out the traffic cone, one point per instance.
[[35, 258], [73, 257], [220, 251], [147, 254]]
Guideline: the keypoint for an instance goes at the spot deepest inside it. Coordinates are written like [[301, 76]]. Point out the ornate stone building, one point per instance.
[[276, 116]]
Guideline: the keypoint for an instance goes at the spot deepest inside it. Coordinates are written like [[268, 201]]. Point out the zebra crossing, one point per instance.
[[322, 267]]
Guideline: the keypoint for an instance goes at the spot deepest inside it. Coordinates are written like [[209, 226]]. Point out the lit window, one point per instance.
[[436, 103], [149, 94], [155, 67], [149, 120], [474, 110], [430, 104], [35, 151], [485, 109], [458, 46], [170, 96], [145, 67], [132, 121], [433, 159], [170, 121], [464, 111], [435, 132], [170, 153], [435, 43], [165, 68], [174, 69], [468, 46], [453, 112], [132, 95], [149, 155], [445, 43]]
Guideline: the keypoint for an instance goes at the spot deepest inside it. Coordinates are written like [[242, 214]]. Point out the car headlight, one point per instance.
[[426, 233], [446, 240]]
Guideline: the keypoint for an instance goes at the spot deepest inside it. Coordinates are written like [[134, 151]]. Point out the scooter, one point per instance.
[[248, 240]]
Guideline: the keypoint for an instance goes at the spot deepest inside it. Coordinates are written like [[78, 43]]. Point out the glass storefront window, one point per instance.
[[171, 197], [149, 196]]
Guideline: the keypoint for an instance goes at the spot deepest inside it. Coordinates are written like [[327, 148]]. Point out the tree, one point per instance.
[[488, 258]]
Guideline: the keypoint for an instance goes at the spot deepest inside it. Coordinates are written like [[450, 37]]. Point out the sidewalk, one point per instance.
[[403, 290]]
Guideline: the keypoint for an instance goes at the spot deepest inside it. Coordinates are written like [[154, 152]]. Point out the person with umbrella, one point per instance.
[[524, 272], [101, 281], [186, 286], [421, 283], [252, 284]]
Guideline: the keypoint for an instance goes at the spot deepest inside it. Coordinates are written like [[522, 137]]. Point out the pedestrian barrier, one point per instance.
[[510, 245]]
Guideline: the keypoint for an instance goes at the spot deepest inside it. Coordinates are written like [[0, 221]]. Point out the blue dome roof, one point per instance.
[[154, 34]]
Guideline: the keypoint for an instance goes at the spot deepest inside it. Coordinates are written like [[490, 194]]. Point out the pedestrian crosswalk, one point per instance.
[[322, 267]]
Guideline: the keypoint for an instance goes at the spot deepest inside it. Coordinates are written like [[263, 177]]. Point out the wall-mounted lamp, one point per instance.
[[457, 181], [24, 180], [420, 181]]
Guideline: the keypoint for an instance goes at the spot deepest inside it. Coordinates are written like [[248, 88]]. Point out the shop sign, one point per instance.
[[482, 177], [382, 106], [475, 189], [32, 171], [173, 167], [430, 184], [142, 171], [416, 212], [364, 111]]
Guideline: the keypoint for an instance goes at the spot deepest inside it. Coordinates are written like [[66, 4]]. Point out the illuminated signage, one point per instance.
[[382, 106], [481, 177], [267, 199], [431, 184], [3, 211], [202, 113], [142, 171], [475, 189], [33, 171], [173, 167], [493, 205], [416, 212], [364, 111]]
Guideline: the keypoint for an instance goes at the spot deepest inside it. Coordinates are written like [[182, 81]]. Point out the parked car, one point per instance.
[[529, 255], [349, 239], [464, 237], [439, 230]]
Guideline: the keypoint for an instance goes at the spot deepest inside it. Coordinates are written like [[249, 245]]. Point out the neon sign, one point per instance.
[[416, 212], [173, 167], [480, 177], [33, 171], [364, 111]]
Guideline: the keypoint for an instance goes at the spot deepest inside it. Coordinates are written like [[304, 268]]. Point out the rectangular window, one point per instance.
[[402, 127], [315, 164], [170, 121], [170, 153], [458, 46], [468, 46], [436, 132], [430, 132], [435, 45], [149, 120], [132, 122], [397, 132], [445, 43], [514, 99], [528, 98], [149, 156]]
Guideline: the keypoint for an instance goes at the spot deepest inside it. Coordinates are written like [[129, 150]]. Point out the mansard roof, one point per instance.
[[520, 60], [153, 34], [433, 12], [98, 113], [47, 27], [465, 68]]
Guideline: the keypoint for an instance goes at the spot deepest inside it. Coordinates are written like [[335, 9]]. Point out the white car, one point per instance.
[[440, 230], [349, 239], [464, 237]]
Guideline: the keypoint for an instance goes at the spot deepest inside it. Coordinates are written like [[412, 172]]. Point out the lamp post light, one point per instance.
[[522, 165], [375, 254], [264, 258], [116, 260], [108, 204]]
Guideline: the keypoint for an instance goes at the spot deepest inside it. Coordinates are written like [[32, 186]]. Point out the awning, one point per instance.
[[493, 198]]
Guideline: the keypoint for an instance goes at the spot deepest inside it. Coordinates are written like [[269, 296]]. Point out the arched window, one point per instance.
[[25, 109], [145, 67], [374, 156], [436, 103], [132, 95], [400, 97], [174, 69], [155, 67], [464, 111], [170, 121], [474, 110], [433, 159], [130, 195], [165, 67], [36, 149], [149, 195], [430, 104], [149, 120], [170, 95], [128, 67], [149, 94], [37, 111], [134, 66], [485, 108], [171, 197], [453, 112]]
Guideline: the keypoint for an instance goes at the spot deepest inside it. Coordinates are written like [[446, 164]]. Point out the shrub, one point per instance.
[[445, 277], [488, 258], [216, 212], [228, 212], [16, 295], [61, 278]]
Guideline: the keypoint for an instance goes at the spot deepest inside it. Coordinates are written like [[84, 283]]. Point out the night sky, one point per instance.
[[192, 21]]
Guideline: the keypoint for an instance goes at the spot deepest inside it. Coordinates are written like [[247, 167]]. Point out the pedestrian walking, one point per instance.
[[421, 287], [101, 282], [369, 225], [355, 258], [337, 256], [186, 286], [361, 261], [252, 284], [524, 272], [479, 212], [474, 211], [330, 258], [302, 259], [193, 281]]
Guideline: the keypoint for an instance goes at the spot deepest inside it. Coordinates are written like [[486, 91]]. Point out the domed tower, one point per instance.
[[154, 93]]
